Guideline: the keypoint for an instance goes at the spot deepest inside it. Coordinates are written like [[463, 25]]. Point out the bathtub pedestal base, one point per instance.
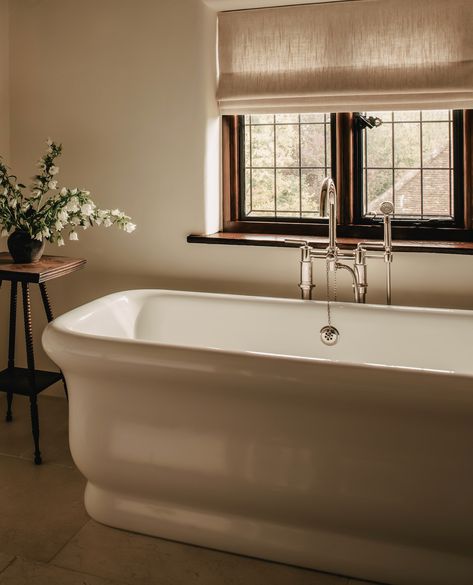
[[323, 551]]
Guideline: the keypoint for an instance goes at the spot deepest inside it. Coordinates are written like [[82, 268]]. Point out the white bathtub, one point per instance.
[[223, 421]]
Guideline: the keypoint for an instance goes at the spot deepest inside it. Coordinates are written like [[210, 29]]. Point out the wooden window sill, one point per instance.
[[319, 242]]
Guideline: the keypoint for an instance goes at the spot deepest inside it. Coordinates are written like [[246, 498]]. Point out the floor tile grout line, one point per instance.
[[11, 455], [344, 580], [48, 463], [358, 580], [347, 581], [85, 574], [72, 570], [9, 564], [63, 546], [77, 572]]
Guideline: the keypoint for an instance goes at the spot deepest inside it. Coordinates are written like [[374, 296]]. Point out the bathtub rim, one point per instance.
[[59, 326]]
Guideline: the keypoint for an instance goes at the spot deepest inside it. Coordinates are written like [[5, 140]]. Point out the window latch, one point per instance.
[[367, 121]]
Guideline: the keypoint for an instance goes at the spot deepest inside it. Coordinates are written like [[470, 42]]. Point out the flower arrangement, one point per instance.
[[46, 212]]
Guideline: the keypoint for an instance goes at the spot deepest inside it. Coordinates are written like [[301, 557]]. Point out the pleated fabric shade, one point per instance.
[[347, 56]]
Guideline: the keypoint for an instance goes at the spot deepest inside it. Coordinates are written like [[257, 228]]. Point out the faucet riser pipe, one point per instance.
[[306, 283], [387, 233], [388, 258]]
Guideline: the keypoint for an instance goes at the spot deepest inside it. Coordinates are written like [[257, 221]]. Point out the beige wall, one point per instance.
[[128, 87], [4, 80]]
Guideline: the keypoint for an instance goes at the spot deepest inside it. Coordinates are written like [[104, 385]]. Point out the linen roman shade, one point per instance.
[[347, 56]]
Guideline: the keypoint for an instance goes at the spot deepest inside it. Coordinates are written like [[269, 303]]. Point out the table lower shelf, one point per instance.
[[18, 380]]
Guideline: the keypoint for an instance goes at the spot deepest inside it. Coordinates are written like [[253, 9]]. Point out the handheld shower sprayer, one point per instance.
[[387, 209]]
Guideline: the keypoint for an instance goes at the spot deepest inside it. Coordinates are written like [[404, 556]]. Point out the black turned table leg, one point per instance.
[[46, 302], [11, 344], [31, 368], [49, 316]]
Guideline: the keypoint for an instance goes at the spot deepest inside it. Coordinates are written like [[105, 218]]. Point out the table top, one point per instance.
[[47, 268]]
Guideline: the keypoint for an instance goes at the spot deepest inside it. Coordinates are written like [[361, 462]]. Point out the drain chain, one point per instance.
[[329, 334]]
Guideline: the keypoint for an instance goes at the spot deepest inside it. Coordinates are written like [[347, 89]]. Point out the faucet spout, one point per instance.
[[328, 206]]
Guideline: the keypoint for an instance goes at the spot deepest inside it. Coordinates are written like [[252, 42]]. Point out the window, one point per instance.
[[286, 158], [274, 166], [408, 159]]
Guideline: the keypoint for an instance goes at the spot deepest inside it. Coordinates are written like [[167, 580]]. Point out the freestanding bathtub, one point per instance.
[[224, 421]]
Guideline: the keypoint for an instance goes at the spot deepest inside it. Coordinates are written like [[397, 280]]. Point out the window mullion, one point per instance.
[[343, 133]]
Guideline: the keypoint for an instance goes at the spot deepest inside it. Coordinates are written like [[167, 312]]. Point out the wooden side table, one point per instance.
[[30, 381]]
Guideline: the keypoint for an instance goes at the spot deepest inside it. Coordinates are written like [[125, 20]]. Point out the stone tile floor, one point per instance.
[[46, 537]]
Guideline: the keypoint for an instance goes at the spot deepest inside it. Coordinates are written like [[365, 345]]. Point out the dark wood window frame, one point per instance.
[[345, 157]]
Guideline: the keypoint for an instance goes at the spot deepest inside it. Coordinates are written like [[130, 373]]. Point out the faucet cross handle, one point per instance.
[[296, 241]]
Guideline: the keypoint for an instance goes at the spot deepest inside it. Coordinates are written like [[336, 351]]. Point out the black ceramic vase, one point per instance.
[[23, 248]]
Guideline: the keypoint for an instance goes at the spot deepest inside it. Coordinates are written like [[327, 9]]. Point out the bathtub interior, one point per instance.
[[111, 316], [435, 340]]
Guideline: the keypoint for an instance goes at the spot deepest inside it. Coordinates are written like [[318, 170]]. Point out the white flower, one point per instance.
[[73, 236], [116, 212], [63, 215], [74, 191], [107, 222], [58, 226], [102, 213], [85, 226], [54, 170], [63, 191], [39, 237], [46, 232], [52, 184], [4, 233], [129, 227], [98, 220], [74, 220], [87, 209], [60, 241], [73, 205]]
